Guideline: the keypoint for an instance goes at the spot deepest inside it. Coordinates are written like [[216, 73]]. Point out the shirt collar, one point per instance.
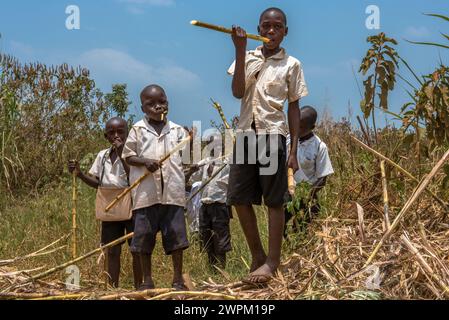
[[307, 138], [166, 129], [278, 56]]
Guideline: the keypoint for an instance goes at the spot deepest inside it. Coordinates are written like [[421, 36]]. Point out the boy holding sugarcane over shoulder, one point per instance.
[[159, 200], [264, 79], [314, 168], [111, 171]]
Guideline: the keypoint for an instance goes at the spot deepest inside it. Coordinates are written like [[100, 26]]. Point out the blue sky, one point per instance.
[[139, 42]]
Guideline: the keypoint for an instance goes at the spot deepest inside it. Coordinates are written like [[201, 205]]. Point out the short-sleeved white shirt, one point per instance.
[[114, 174], [143, 141], [216, 190], [269, 84], [314, 161]]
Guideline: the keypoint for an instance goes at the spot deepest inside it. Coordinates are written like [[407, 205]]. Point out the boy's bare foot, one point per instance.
[[262, 275], [257, 263], [146, 286], [180, 286]]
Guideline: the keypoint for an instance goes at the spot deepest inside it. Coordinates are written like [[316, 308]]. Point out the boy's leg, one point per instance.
[[248, 221], [111, 231], [174, 239], [276, 220], [274, 187], [244, 191], [143, 242], [114, 265], [206, 237], [222, 233], [137, 265]]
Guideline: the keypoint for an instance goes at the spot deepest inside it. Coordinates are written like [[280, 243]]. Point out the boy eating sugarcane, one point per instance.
[[159, 200], [111, 171], [314, 167], [264, 79], [214, 230]]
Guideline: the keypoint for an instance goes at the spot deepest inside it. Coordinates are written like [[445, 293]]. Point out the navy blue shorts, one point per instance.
[[113, 230], [247, 184], [167, 219]]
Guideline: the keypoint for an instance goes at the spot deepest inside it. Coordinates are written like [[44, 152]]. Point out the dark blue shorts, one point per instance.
[[167, 219]]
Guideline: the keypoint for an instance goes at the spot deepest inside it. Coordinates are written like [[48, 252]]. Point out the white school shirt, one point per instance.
[[193, 208], [280, 78], [114, 173], [143, 141], [314, 161], [217, 189]]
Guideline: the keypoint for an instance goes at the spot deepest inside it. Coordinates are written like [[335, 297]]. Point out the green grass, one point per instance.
[[33, 223]]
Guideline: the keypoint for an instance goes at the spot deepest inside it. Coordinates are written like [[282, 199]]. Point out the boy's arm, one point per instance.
[[294, 116], [87, 179], [151, 165], [238, 80], [317, 186]]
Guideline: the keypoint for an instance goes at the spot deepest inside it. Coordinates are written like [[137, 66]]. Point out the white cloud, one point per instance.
[[417, 32], [112, 66], [135, 10]]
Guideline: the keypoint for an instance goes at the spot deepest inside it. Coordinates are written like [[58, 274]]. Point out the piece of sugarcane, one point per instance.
[[203, 185], [139, 181], [74, 200], [226, 30], [87, 255], [291, 182]]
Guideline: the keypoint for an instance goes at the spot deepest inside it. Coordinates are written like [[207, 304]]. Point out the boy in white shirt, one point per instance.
[[110, 170], [159, 201], [214, 226], [314, 165]]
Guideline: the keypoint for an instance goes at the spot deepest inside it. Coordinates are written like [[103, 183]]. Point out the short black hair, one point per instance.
[[277, 10], [310, 114], [151, 86]]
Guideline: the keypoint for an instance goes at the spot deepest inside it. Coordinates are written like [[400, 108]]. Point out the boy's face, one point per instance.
[[154, 104], [116, 132], [305, 126], [272, 26]]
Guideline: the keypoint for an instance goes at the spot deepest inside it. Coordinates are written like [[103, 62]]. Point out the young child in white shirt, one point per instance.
[[314, 165], [159, 201]]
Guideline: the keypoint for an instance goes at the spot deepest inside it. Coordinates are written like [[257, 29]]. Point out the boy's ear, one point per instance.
[[286, 30], [258, 29], [105, 135]]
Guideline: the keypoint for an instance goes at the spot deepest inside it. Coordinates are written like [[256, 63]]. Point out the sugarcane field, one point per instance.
[[266, 151]]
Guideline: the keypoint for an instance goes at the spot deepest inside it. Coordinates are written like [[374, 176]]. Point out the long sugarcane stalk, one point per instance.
[[74, 200], [133, 295], [87, 255], [405, 172], [420, 188], [226, 30], [385, 194], [139, 181], [194, 294]]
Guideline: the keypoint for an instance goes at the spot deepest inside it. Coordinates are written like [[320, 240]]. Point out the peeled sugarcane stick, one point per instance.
[[218, 107], [87, 255], [417, 192], [138, 181], [405, 172], [226, 30], [74, 199], [194, 294], [385, 195], [212, 177], [291, 182], [132, 295]]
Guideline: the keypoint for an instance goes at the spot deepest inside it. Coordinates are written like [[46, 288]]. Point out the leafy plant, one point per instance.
[[382, 59]]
